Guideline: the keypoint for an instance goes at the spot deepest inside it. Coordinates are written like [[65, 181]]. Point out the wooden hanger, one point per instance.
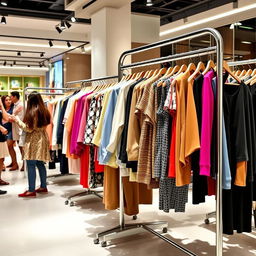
[[140, 75], [167, 73], [242, 73], [175, 70], [248, 73], [191, 68], [253, 72], [238, 72], [210, 65], [150, 73], [227, 69], [200, 68], [160, 72], [183, 68]]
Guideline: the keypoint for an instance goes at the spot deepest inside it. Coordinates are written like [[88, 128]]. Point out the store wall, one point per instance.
[[77, 67]]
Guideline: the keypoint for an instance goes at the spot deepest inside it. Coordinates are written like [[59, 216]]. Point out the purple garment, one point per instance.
[[206, 127]]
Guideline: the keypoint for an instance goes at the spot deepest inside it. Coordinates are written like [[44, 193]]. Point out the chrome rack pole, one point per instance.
[[242, 62], [125, 230]]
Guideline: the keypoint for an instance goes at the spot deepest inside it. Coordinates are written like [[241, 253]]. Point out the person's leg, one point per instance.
[[31, 166], [2, 182], [12, 153], [42, 173], [22, 154]]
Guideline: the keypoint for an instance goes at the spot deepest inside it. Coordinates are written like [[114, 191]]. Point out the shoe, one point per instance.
[[22, 169], [14, 168], [3, 170], [3, 183], [27, 194], [9, 166], [42, 190], [2, 192]]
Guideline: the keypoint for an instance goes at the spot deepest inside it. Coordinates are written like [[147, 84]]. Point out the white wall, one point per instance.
[[27, 72]]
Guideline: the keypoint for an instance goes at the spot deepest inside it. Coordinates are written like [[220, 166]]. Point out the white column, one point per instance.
[[110, 36]]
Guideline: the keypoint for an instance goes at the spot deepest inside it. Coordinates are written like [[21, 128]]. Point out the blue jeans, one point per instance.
[[31, 166]]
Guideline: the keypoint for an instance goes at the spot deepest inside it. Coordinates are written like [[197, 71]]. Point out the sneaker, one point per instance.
[[2, 192], [27, 194], [42, 190]]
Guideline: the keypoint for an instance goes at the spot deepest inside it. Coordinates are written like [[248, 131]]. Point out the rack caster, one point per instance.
[[66, 202], [96, 241], [134, 217], [103, 244], [206, 221], [165, 230], [72, 204]]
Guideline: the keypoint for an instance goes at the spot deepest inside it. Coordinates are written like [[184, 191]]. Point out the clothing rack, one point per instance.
[[123, 230], [242, 62], [89, 191]]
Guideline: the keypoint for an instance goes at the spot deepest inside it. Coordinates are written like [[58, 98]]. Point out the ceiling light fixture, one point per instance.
[[209, 19], [3, 20], [28, 66], [42, 54], [5, 63], [14, 63], [73, 19], [10, 65], [68, 25], [246, 27], [50, 43], [68, 44], [18, 53], [246, 42], [149, 3], [4, 2], [62, 25], [82, 49], [58, 28]]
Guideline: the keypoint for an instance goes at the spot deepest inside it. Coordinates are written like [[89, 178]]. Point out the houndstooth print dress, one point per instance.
[[170, 196]]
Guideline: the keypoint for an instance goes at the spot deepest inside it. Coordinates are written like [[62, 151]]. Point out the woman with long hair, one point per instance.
[[37, 146], [8, 105]]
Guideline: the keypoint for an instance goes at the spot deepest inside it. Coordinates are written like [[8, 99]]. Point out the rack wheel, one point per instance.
[[72, 204], [206, 221], [103, 244], [96, 241], [134, 217], [66, 202], [165, 230]]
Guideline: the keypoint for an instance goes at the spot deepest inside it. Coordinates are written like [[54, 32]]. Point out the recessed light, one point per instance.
[[4, 2], [246, 42], [73, 19], [149, 3]]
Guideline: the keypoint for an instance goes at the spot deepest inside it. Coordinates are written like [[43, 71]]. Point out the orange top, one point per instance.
[[241, 172], [183, 167]]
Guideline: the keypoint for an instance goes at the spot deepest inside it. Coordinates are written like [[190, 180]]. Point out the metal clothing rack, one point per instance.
[[123, 230], [88, 191], [242, 62]]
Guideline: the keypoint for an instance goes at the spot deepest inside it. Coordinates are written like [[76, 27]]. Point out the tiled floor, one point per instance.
[[45, 226]]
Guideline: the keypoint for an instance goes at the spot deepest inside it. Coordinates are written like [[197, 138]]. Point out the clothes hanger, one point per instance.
[[253, 72], [183, 68], [167, 73], [191, 68], [227, 69], [200, 68], [238, 72], [242, 73], [248, 82], [210, 65]]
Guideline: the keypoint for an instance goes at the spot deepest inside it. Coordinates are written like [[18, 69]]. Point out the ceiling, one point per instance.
[[172, 10], [49, 9]]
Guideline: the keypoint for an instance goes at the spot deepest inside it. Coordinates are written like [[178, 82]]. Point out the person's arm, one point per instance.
[[21, 124], [6, 116], [3, 130]]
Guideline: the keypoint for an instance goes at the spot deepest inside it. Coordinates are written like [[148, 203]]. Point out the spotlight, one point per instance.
[[62, 25], [149, 3], [14, 63], [82, 49], [58, 28], [68, 25], [28, 66], [73, 19], [3, 20], [40, 65], [5, 63], [50, 43], [42, 54], [10, 65], [4, 2], [68, 44], [19, 53]]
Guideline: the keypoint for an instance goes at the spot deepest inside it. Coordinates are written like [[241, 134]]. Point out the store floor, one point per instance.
[[45, 226]]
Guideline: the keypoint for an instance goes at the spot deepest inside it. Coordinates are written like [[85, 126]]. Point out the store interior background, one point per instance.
[[107, 28]]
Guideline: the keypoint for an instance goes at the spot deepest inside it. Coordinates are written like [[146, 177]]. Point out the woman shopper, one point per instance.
[[37, 146], [8, 105], [3, 144]]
